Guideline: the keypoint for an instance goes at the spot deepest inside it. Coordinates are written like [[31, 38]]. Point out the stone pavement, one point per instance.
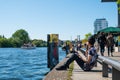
[[96, 72]]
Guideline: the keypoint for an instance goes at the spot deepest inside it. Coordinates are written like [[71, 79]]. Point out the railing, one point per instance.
[[108, 61]]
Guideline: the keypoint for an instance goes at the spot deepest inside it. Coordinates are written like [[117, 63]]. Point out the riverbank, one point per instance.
[[79, 74]]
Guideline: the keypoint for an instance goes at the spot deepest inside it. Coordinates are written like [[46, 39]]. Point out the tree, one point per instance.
[[22, 36], [39, 43], [15, 42], [87, 35], [86, 38], [5, 42], [118, 2]]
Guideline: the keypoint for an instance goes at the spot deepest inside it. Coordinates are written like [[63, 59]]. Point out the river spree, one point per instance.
[[21, 64]]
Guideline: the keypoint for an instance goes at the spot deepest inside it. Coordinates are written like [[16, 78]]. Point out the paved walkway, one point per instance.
[[96, 73]]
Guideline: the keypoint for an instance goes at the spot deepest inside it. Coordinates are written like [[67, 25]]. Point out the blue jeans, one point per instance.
[[110, 49], [102, 49]]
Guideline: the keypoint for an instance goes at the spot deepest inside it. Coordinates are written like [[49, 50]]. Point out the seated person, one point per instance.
[[85, 63]]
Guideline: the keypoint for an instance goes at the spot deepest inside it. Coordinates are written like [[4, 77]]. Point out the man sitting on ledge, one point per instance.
[[86, 63]]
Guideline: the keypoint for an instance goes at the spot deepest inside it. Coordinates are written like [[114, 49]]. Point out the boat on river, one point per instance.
[[28, 46]]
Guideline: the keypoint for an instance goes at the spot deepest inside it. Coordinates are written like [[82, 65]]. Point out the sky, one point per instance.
[[68, 18]]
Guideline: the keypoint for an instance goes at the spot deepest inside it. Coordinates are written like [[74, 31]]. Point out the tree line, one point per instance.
[[18, 38]]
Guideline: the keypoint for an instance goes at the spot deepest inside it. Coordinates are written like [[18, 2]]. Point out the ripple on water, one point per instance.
[[21, 64]]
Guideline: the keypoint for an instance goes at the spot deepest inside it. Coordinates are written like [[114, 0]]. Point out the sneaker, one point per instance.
[[61, 67]]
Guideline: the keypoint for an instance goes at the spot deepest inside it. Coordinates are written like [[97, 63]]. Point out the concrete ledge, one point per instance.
[[58, 74]]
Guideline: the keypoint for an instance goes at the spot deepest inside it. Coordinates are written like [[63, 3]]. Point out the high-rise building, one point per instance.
[[100, 24]]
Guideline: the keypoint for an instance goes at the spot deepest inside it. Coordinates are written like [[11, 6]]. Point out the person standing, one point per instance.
[[66, 48], [102, 42], [79, 45], [96, 44], [110, 44]]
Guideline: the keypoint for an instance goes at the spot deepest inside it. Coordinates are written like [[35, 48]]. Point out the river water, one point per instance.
[[21, 64]]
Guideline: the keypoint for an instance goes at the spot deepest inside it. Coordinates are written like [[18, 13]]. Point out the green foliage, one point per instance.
[[68, 42], [5, 42], [71, 67], [15, 42], [21, 36], [39, 43], [118, 2], [86, 38], [87, 35]]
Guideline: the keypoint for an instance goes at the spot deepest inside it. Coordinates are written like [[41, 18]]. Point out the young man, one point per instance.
[[110, 44], [85, 63], [102, 42]]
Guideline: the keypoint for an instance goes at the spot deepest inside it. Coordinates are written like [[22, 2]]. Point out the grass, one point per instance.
[[70, 71]]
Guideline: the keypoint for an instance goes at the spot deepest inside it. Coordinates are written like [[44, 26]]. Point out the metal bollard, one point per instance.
[[105, 70], [115, 74]]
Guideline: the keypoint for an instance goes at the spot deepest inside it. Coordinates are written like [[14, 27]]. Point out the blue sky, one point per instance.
[[68, 18]]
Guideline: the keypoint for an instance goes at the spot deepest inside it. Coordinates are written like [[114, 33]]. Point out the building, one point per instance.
[[100, 24]]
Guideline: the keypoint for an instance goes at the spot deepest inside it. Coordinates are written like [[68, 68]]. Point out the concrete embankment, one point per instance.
[[79, 74], [58, 74]]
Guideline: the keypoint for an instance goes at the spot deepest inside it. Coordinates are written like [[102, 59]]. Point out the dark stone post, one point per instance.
[[105, 70], [52, 54]]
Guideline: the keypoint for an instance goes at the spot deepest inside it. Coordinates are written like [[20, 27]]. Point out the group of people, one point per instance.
[[91, 55], [106, 40], [86, 63]]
